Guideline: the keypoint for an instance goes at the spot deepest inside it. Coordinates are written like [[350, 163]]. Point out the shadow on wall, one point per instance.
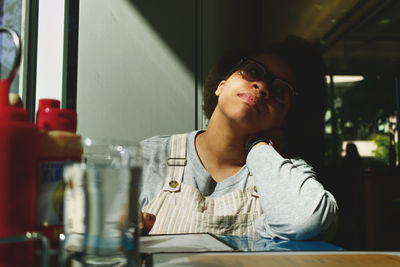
[[170, 19], [213, 26]]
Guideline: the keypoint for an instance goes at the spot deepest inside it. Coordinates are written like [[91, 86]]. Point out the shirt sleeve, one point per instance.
[[295, 205], [154, 160]]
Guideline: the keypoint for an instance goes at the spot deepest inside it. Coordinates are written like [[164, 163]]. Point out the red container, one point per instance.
[[18, 183], [57, 129]]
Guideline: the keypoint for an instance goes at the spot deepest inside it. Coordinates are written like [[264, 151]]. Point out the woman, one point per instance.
[[242, 176]]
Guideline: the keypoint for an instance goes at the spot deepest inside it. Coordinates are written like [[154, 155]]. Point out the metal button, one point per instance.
[[173, 184], [255, 189]]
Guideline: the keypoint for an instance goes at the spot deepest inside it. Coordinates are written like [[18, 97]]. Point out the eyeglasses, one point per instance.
[[252, 70]]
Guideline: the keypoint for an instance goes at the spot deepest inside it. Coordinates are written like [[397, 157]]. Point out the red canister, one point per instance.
[[18, 183]]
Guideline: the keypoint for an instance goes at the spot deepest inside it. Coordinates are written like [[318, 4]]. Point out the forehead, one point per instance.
[[277, 66]]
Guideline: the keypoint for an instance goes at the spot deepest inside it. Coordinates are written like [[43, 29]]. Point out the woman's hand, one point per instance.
[[147, 223]]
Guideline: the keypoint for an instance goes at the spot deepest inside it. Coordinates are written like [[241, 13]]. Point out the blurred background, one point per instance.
[[135, 68]]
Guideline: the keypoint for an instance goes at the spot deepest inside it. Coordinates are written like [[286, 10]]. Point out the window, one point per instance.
[[363, 112], [10, 15]]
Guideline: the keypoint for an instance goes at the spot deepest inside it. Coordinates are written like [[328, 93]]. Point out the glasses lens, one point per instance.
[[252, 71], [280, 90]]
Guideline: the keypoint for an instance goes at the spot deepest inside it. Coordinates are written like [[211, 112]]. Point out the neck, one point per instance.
[[221, 148]]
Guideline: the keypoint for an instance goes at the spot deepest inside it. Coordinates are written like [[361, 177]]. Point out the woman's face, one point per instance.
[[250, 104]]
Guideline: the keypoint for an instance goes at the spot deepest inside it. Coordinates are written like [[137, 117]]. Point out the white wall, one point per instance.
[[131, 85]]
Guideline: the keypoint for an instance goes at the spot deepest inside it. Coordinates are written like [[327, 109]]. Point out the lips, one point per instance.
[[251, 99]]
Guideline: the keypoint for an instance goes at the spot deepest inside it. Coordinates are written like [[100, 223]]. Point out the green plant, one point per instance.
[[382, 151]]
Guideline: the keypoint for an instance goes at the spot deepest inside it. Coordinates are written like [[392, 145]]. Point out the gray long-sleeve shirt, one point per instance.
[[295, 205]]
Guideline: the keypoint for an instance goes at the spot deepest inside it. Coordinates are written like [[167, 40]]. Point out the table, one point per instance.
[[275, 252], [272, 252], [278, 259]]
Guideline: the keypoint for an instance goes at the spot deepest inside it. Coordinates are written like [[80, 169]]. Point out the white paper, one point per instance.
[[182, 243]]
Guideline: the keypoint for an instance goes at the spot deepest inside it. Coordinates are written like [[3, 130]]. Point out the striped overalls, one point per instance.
[[181, 208]]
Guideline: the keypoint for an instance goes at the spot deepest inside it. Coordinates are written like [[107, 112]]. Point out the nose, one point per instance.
[[262, 88]]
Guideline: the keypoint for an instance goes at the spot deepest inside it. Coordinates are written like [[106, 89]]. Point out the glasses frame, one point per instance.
[[268, 77]]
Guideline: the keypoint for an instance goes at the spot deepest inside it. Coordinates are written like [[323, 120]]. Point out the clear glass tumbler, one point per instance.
[[101, 211]]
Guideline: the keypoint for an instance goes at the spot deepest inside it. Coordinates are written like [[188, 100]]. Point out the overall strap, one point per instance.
[[253, 188], [176, 163]]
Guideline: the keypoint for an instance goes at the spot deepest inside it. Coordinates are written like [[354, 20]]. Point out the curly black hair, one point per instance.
[[304, 126]]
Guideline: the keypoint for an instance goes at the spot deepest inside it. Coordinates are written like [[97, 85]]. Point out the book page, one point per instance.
[[182, 243]]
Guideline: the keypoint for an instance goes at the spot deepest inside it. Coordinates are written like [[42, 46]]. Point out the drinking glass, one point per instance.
[[101, 203]]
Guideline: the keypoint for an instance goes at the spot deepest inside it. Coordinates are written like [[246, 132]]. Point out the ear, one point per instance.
[[219, 88]]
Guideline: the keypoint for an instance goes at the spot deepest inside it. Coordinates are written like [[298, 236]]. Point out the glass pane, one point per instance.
[[10, 15], [366, 117]]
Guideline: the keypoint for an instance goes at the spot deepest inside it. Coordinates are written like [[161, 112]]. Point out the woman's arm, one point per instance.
[[295, 205]]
